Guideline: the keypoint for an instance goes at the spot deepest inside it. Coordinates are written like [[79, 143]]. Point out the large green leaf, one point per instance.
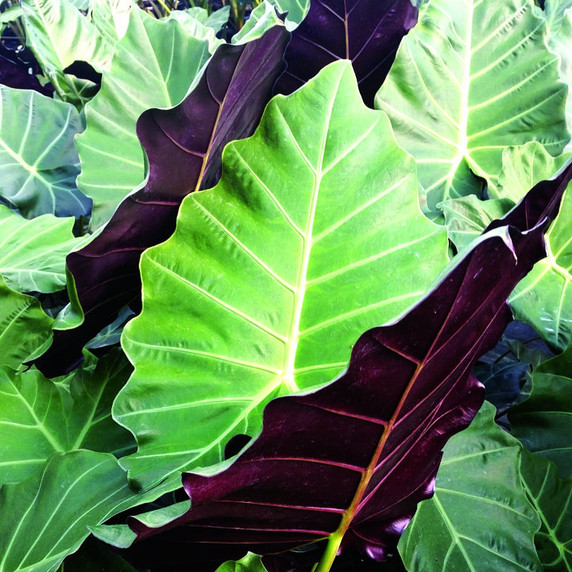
[[552, 499], [33, 252], [23, 326], [452, 103], [38, 161], [40, 417], [544, 421], [544, 298], [276, 272], [47, 516], [154, 65], [479, 517], [59, 35]]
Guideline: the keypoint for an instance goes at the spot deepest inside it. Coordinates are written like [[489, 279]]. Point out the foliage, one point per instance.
[[320, 256]]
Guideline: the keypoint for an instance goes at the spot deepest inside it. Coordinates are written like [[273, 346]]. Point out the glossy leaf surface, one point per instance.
[[365, 449], [454, 107], [38, 161], [367, 32], [225, 105], [478, 481], [305, 254]]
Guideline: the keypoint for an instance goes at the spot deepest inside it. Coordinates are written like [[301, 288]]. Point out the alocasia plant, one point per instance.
[[312, 236]]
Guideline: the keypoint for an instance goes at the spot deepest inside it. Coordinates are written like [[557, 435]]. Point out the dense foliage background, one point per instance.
[[254, 269]]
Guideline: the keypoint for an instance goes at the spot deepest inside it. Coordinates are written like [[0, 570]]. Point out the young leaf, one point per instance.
[[225, 105], [552, 499], [38, 161], [32, 252], [351, 461], [141, 76], [41, 417], [274, 225], [367, 32], [453, 105], [544, 421], [478, 481]]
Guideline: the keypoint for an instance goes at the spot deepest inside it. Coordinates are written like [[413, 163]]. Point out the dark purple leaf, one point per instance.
[[184, 147], [352, 460], [367, 32]]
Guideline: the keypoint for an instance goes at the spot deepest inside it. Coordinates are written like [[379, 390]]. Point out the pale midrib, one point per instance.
[[300, 288]]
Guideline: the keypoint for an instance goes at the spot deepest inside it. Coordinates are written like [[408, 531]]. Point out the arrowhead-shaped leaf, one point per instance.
[[38, 161], [184, 146], [298, 219], [478, 481], [351, 461], [454, 107], [367, 32]]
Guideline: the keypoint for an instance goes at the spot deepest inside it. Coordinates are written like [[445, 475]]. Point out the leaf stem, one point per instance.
[[330, 553]]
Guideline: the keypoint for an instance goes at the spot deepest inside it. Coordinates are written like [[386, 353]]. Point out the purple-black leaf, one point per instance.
[[184, 147], [350, 462], [367, 32]]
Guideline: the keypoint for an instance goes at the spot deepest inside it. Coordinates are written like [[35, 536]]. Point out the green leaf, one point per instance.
[[23, 326], [38, 161], [250, 563], [33, 252], [11, 14], [273, 286], [453, 105], [552, 499], [544, 421], [522, 167], [467, 217], [111, 156], [50, 512], [40, 417], [111, 18], [544, 298], [59, 35], [479, 517]]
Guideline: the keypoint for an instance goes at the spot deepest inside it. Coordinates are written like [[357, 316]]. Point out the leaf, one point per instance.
[[454, 107], [478, 481], [274, 225], [467, 217], [23, 326], [59, 35], [544, 298], [77, 490], [351, 461], [250, 563], [32, 252], [225, 105], [112, 162], [111, 18], [38, 161], [544, 421], [367, 32], [40, 417], [522, 167], [551, 497]]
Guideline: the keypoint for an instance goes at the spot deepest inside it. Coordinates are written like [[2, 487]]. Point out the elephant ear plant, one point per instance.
[[257, 293]]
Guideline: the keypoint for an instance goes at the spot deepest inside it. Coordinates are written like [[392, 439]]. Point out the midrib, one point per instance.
[[293, 335]]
